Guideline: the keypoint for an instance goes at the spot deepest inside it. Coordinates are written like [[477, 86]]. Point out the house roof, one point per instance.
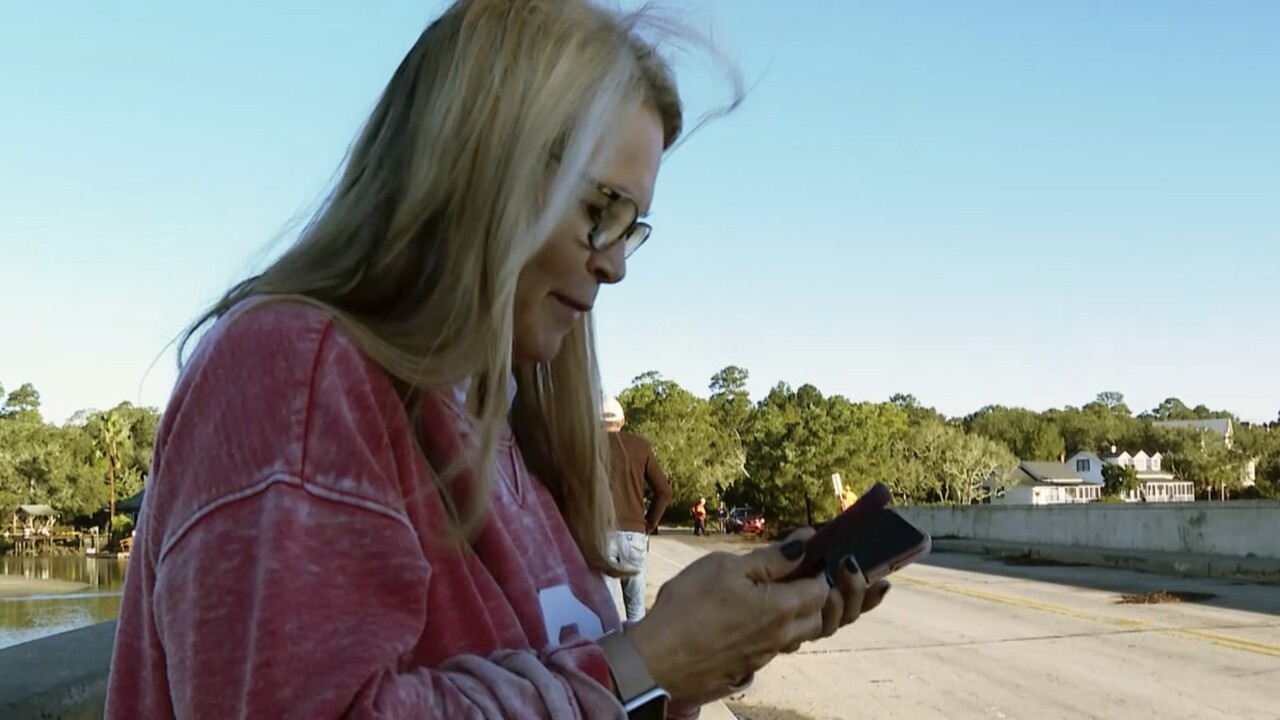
[[38, 510], [131, 504], [1050, 472], [1108, 455], [1222, 426]]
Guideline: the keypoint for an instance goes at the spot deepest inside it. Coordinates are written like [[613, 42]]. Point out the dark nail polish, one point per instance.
[[793, 550], [851, 564], [887, 588]]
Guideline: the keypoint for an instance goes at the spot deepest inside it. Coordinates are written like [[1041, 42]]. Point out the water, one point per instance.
[[37, 616]]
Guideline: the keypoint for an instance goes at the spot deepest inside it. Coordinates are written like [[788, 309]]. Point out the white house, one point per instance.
[[1043, 483], [1156, 485], [1088, 466], [1217, 426]]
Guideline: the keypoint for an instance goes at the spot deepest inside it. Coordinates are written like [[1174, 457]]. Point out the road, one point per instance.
[[971, 637]]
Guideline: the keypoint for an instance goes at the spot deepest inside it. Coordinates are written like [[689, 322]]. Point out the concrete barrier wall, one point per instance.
[[1233, 529], [62, 677]]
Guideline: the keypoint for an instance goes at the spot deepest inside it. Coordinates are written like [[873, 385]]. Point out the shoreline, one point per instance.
[[19, 587]]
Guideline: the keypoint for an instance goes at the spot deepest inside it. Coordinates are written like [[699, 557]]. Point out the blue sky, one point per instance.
[[1006, 201]]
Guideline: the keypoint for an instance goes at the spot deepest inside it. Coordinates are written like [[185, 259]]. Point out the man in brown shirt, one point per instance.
[[633, 468]]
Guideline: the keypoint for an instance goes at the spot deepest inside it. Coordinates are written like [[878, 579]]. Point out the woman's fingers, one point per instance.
[[773, 563], [875, 594], [832, 612], [853, 591], [805, 618]]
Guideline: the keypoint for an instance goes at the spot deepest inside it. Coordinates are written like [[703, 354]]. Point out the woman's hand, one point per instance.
[[726, 616], [850, 597]]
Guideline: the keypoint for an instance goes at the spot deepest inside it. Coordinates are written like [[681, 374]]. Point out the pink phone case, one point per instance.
[[816, 549]]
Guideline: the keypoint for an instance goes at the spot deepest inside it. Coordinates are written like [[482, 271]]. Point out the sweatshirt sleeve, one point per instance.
[[286, 604], [289, 581]]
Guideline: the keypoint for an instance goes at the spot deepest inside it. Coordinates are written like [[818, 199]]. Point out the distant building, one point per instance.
[[1220, 426], [1224, 428], [1155, 484], [1042, 483]]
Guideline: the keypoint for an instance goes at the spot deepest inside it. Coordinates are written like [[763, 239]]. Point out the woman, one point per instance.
[[378, 489]]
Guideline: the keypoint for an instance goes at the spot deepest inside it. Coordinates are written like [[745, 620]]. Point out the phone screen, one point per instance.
[[879, 542]]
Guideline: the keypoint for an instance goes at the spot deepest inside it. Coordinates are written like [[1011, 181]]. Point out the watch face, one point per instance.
[[649, 705]]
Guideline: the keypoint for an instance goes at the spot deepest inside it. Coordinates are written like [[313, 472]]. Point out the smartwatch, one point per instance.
[[641, 697]]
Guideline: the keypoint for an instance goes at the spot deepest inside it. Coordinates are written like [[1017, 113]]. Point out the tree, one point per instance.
[[952, 466], [916, 412], [1203, 459], [776, 454], [113, 433], [684, 435], [730, 407], [22, 405], [1118, 480], [775, 451], [1113, 401], [1027, 434], [796, 440], [1172, 409], [729, 398]]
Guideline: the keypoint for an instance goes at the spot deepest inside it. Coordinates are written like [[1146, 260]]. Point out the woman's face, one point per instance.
[[560, 282]]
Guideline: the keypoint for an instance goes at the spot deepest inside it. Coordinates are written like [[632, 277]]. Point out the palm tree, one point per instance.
[[113, 432]]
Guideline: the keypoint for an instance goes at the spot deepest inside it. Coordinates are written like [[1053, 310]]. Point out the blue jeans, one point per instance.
[[628, 549]]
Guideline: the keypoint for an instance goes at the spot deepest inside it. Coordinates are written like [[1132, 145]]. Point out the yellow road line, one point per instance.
[[1234, 643], [1227, 641]]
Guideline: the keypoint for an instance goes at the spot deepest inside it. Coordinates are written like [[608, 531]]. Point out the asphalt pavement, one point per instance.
[[967, 636]]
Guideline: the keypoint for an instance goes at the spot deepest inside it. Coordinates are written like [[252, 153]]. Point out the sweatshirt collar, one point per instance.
[[461, 389]]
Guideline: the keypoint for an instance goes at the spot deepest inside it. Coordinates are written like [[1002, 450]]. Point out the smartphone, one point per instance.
[[884, 543], [881, 540]]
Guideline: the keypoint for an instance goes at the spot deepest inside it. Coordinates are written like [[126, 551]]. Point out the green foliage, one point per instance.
[[684, 435], [68, 466], [1117, 480], [1204, 459], [21, 405], [777, 454], [121, 526], [953, 465], [1029, 435]]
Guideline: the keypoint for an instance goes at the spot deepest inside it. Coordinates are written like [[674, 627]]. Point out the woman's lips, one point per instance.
[[574, 305]]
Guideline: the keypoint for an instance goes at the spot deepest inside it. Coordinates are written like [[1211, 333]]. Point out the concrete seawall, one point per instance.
[[63, 677], [1232, 540]]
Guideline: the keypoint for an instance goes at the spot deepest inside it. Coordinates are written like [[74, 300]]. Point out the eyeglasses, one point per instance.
[[616, 219]]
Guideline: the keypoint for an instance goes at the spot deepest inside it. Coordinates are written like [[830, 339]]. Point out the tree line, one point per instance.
[[776, 453], [779, 452], [80, 468]]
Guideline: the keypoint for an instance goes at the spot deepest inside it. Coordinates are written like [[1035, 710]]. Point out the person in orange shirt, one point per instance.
[[700, 517], [848, 499]]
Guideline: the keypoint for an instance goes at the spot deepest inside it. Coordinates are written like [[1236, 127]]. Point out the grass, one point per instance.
[[1161, 597]]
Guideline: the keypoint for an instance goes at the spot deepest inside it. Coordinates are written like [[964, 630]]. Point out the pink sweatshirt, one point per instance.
[[290, 563]]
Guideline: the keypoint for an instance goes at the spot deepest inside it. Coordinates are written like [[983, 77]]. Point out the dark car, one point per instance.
[[744, 520]]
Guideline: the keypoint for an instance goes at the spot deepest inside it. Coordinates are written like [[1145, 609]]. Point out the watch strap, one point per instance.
[[631, 678]]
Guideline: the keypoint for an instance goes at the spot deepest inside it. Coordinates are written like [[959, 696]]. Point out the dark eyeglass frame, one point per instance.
[[632, 236]]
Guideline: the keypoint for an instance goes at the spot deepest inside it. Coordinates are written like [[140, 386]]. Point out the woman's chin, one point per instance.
[[542, 349]]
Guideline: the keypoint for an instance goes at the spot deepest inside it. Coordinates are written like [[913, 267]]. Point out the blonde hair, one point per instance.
[[443, 199]]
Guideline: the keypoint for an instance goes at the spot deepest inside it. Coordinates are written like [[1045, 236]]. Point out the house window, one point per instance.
[[1082, 465]]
